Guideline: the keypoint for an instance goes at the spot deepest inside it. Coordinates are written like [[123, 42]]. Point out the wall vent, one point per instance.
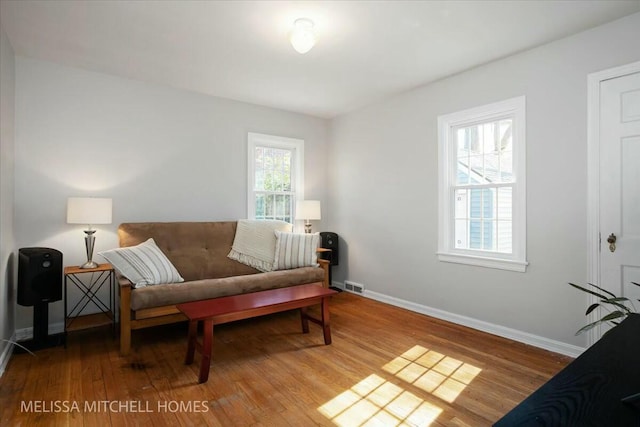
[[356, 288]]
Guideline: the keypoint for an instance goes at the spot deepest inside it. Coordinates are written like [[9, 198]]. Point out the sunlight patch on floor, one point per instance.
[[377, 402], [433, 372]]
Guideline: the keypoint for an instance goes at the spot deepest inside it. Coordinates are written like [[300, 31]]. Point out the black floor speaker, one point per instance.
[[329, 240], [40, 283], [39, 276]]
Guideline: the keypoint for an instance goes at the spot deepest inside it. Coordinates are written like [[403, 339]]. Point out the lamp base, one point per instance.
[[89, 241], [307, 228], [89, 264]]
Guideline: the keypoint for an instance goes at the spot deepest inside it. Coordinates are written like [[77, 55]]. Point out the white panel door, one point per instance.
[[620, 185]]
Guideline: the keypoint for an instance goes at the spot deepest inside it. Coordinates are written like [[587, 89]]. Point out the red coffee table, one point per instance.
[[237, 307]]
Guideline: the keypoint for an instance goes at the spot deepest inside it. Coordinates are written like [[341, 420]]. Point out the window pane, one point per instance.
[[279, 206], [488, 235], [273, 169], [488, 203], [475, 234], [476, 164], [260, 206], [462, 143], [484, 153], [505, 217], [269, 205], [475, 203], [483, 219], [492, 167], [505, 203], [504, 236], [461, 198], [462, 171], [461, 234], [506, 166]]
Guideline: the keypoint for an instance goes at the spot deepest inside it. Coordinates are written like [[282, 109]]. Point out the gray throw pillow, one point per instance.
[[144, 264]]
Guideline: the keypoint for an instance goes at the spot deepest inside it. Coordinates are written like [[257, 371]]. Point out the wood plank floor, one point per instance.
[[386, 367]]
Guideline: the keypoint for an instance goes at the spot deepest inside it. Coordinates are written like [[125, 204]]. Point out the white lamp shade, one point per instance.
[[308, 209], [302, 37], [89, 210]]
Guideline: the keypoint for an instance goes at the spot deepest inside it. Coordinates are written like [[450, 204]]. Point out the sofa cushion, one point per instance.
[[143, 264], [170, 294], [198, 250]]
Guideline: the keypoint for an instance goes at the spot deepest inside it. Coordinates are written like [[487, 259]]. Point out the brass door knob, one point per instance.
[[612, 242]]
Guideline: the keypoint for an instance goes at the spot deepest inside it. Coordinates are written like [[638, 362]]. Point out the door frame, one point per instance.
[[593, 176]]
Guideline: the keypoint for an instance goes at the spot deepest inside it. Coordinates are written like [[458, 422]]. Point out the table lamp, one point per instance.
[[308, 210], [89, 211]]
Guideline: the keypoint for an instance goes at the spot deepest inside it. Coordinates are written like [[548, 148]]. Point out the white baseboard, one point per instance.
[[502, 331], [23, 335], [27, 333], [6, 354]]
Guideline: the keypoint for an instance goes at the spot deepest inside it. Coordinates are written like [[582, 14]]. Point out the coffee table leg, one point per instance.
[[325, 321], [304, 320], [207, 344], [191, 342]]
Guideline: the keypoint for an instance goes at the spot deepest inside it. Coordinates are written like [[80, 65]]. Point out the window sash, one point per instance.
[[274, 205], [491, 220]]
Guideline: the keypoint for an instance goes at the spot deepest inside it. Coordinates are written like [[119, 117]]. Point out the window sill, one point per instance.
[[481, 261]]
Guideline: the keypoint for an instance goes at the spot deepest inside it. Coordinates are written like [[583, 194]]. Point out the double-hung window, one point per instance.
[[482, 211], [276, 176]]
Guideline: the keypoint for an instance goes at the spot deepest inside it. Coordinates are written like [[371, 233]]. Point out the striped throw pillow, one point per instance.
[[295, 250], [144, 264]]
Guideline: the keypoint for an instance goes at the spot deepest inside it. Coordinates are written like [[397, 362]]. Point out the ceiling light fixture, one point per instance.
[[302, 36]]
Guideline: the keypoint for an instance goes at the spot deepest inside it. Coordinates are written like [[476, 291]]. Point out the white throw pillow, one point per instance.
[[144, 264], [295, 250]]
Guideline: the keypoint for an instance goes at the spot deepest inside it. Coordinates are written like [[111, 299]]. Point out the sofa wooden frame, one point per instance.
[[145, 318]]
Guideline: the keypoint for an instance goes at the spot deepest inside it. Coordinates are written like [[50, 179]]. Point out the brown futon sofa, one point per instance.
[[199, 252]]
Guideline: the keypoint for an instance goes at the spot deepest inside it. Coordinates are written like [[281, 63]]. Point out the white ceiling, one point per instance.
[[366, 50]]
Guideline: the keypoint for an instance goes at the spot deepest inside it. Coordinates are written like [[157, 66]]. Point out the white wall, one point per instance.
[[162, 154], [7, 246], [165, 154], [384, 187]]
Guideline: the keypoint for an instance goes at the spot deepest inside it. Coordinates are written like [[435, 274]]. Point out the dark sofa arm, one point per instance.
[[125, 287], [325, 264]]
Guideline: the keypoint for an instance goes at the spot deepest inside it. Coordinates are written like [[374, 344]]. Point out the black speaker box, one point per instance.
[[39, 276], [329, 240]]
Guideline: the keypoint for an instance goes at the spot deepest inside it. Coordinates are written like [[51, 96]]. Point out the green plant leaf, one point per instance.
[[608, 318], [602, 289], [618, 299], [621, 310], [588, 327], [591, 308], [589, 291], [613, 315], [617, 304]]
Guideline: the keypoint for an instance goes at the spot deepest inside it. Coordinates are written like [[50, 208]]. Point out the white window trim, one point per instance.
[[517, 260], [261, 140]]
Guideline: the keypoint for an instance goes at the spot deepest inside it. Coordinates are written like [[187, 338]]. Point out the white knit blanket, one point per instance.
[[255, 242]]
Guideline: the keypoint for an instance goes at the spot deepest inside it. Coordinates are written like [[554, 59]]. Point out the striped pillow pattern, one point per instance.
[[144, 264], [295, 250]]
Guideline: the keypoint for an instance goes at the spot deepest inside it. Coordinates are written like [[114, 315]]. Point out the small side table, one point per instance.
[[102, 275]]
